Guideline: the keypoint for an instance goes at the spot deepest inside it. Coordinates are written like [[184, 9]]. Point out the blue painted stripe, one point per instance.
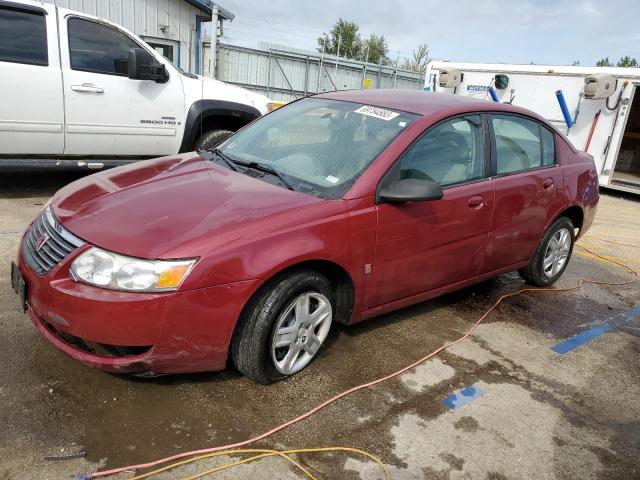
[[580, 339], [594, 332], [463, 397]]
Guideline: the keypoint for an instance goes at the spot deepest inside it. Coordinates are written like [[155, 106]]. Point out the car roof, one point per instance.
[[422, 102]]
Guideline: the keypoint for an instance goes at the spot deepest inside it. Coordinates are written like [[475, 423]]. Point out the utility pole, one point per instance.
[[364, 69], [320, 66], [337, 57]]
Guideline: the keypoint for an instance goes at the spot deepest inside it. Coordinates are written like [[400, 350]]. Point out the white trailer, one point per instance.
[[607, 125]]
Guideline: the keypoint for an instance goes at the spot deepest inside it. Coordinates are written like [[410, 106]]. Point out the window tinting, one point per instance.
[[23, 37], [548, 147], [450, 153], [97, 48], [518, 145]]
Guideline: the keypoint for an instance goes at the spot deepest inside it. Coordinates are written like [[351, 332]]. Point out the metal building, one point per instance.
[[172, 27]]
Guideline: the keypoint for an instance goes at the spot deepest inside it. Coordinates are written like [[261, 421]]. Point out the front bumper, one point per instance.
[[127, 332]]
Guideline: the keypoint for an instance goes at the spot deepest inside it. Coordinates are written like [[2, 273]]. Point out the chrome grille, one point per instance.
[[47, 243]]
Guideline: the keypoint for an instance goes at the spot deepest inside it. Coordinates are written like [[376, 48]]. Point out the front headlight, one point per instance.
[[117, 272]]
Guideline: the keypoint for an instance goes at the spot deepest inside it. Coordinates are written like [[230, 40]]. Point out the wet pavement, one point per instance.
[[539, 414]]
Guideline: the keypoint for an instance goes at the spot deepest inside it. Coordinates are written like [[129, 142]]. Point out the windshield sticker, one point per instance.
[[332, 179], [402, 124], [377, 112]]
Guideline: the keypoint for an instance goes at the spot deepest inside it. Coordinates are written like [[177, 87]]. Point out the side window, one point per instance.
[[518, 143], [548, 147], [23, 37], [94, 47], [450, 153]]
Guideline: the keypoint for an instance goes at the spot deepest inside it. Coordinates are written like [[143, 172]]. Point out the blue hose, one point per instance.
[[565, 109], [493, 94]]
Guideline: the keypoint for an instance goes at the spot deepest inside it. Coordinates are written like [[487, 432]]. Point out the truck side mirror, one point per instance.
[[142, 66]]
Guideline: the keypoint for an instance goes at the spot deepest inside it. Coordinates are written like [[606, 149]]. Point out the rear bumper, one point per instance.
[[127, 332]]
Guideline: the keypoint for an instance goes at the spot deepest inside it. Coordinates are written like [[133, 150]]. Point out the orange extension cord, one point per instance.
[[379, 380]]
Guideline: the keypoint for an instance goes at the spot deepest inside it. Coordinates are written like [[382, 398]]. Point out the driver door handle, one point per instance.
[[477, 201], [87, 87]]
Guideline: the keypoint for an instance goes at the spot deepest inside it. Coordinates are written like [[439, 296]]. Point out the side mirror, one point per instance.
[[142, 66], [411, 190]]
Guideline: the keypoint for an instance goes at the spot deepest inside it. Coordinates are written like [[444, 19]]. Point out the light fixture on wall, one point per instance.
[[164, 28]]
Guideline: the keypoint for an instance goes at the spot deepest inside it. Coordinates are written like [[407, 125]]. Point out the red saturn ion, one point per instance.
[[334, 208]]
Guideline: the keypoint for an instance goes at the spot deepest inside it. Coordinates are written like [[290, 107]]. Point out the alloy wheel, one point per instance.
[[557, 252], [299, 332]]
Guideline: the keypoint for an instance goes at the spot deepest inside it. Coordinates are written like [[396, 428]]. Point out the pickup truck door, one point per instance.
[[107, 113], [31, 115]]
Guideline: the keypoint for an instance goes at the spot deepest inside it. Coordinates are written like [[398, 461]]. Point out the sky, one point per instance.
[[493, 31]]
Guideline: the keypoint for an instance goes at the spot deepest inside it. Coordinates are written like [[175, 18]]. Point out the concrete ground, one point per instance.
[[542, 415]]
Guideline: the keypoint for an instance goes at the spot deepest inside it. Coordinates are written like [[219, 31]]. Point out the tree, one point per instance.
[[375, 49], [419, 59], [604, 63], [576, 63], [343, 39], [627, 62]]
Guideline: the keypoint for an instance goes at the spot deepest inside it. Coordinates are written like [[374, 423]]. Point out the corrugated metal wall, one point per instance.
[[145, 17], [286, 74]]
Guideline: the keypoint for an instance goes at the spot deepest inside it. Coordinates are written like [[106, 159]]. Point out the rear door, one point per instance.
[[429, 244], [31, 115], [107, 113], [528, 186]]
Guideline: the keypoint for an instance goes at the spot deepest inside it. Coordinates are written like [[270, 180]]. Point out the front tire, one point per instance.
[[210, 139], [283, 327], [552, 255]]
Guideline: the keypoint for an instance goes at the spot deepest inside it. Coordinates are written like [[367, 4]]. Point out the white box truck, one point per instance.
[[601, 103], [76, 90]]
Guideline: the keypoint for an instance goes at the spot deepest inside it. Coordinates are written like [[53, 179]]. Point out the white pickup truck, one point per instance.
[[76, 90]]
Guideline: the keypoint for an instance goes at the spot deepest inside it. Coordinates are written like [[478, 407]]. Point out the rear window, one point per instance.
[[548, 147], [518, 145], [23, 37]]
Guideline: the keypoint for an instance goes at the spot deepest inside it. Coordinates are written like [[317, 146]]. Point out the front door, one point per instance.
[[422, 246], [107, 113]]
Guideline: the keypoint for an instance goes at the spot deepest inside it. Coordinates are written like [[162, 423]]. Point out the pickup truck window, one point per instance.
[[23, 37], [94, 47]]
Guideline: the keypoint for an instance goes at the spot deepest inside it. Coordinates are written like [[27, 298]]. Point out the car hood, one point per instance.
[[170, 207]]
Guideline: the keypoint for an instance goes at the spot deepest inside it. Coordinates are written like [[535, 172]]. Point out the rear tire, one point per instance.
[[552, 255], [283, 327], [210, 139]]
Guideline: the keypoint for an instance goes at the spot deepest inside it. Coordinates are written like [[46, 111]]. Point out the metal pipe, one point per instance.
[[494, 95], [593, 128]]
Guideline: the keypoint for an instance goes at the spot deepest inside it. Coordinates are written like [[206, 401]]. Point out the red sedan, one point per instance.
[[335, 208]]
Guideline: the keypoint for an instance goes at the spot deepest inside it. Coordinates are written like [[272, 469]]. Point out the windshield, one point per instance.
[[319, 146]]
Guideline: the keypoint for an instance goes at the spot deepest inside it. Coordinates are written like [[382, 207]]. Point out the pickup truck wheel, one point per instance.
[[552, 255], [283, 327], [210, 139]]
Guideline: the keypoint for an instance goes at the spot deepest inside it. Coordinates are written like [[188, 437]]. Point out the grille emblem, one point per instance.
[[41, 241]]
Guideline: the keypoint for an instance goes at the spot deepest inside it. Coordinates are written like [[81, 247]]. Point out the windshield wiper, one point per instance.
[[225, 158], [265, 167]]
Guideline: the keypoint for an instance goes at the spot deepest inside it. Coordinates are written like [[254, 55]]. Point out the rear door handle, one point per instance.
[[87, 87], [547, 184], [477, 202]]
